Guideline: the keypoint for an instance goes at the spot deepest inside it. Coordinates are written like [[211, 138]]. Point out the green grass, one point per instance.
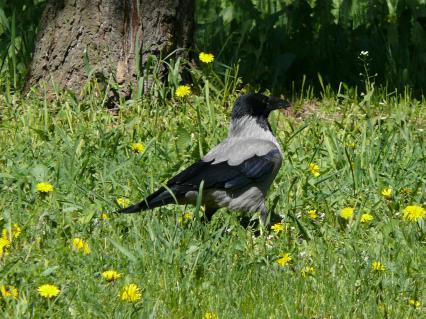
[[187, 269]]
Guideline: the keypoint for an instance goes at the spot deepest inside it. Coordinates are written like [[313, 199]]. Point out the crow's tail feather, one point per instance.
[[139, 207], [159, 198]]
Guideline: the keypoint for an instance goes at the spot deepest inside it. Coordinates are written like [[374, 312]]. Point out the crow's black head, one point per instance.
[[258, 105]]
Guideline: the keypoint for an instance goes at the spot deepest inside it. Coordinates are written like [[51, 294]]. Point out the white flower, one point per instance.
[[364, 53]]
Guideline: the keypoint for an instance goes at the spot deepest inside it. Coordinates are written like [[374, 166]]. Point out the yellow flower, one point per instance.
[[48, 291], [285, 259], [312, 214], [306, 271], [347, 213], [111, 275], [351, 145], [44, 187], [415, 303], [131, 293], [185, 217], [123, 202], [210, 315], [4, 246], [387, 193], [5, 234], [9, 291], [79, 244], [314, 169], [206, 57], [413, 213], [104, 216], [377, 266], [16, 232], [277, 228], [137, 147], [183, 90], [366, 218]]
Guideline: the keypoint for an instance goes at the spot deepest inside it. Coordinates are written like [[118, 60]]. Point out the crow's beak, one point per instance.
[[277, 103]]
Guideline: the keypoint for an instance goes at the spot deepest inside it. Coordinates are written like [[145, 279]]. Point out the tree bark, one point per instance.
[[103, 36]]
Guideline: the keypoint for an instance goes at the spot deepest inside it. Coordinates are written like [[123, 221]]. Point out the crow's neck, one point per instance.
[[250, 126]]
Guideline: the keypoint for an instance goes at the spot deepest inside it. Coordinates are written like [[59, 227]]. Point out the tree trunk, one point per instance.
[[103, 36]]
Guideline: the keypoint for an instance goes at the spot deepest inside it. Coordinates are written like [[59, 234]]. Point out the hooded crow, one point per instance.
[[237, 173]]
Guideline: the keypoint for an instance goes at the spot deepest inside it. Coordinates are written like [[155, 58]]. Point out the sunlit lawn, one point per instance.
[[348, 246]]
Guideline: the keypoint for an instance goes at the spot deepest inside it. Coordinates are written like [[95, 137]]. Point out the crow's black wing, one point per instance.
[[224, 176], [215, 176]]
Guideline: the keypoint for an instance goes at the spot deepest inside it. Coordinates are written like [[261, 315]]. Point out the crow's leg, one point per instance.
[[208, 213], [264, 216], [248, 221], [265, 220]]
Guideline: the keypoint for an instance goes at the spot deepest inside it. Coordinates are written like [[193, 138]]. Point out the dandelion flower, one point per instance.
[[183, 91], [387, 193], [4, 246], [307, 271], [314, 169], [366, 218], [188, 216], [210, 315], [277, 228], [130, 293], [415, 303], [48, 291], [285, 259], [15, 232], [312, 214], [104, 216], [44, 187], [123, 202], [377, 266], [347, 213], [206, 57], [111, 275], [413, 212], [5, 233], [80, 245], [137, 147], [9, 292], [185, 217]]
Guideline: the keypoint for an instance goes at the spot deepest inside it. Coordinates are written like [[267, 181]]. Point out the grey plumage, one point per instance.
[[238, 172]]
